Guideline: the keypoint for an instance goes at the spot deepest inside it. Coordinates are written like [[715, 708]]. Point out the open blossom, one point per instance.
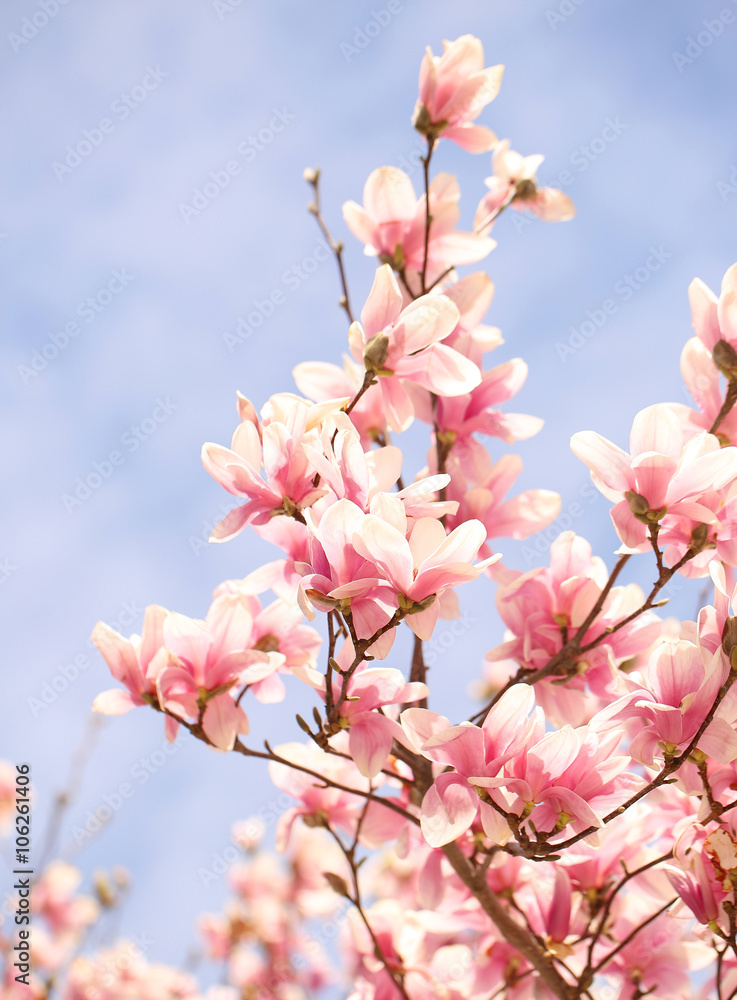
[[366, 565], [322, 381], [211, 657], [514, 183], [703, 381], [485, 496], [662, 474], [135, 662], [545, 607], [475, 412], [392, 222], [404, 344], [454, 88], [420, 568], [671, 698], [472, 295], [715, 319], [451, 805], [55, 898], [279, 633], [276, 443]]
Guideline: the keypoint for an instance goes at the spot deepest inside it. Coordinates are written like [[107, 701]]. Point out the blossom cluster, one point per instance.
[[577, 832]]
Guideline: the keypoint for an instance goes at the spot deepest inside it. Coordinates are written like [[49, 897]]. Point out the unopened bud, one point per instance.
[[311, 174], [337, 883], [526, 190], [725, 358], [410, 607], [729, 637], [303, 725], [376, 352], [641, 509], [421, 119], [699, 537]]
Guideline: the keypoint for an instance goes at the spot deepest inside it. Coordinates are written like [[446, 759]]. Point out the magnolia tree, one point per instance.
[[575, 836]]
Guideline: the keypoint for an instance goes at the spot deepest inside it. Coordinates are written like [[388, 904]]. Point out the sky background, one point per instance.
[[217, 74]]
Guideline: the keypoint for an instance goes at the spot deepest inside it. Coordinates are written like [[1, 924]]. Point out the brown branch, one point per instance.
[[729, 400], [428, 216], [397, 977], [313, 178], [622, 944], [570, 649], [512, 931]]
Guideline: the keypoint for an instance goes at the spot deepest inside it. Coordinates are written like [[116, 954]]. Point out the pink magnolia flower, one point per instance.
[[337, 456], [371, 732], [481, 487], [342, 577], [712, 533], [662, 473], [279, 633], [515, 183], [715, 319], [545, 607], [277, 444], [656, 960], [392, 224], [317, 803], [457, 418], [404, 344], [472, 295], [703, 381], [454, 88], [420, 568], [55, 898], [212, 656], [700, 888], [322, 381], [135, 662], [570, 777], [672, 698], [451, 805]]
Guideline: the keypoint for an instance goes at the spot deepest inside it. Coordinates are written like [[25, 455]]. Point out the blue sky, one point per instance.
[[632, 105]]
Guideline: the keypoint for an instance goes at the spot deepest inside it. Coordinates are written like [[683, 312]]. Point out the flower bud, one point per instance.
[[641, 509], [729, 640], [337, 883], [724, 357], [376, 352], [699, 537], [526, 190]]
